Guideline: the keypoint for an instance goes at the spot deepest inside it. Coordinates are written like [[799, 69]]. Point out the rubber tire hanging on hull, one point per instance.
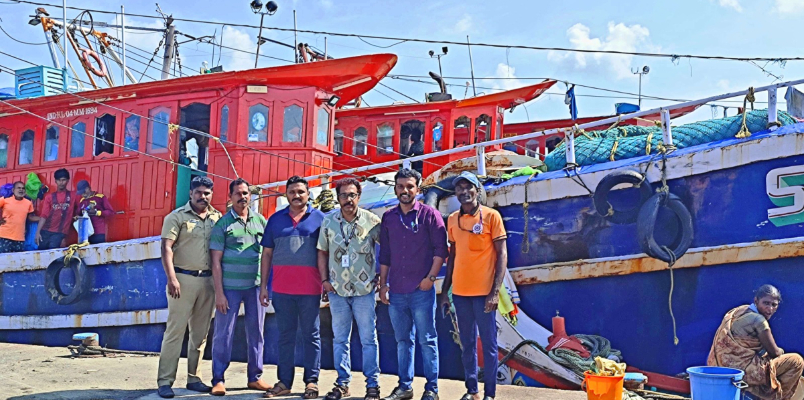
[[646, 225], [53, 286], [601, 196]]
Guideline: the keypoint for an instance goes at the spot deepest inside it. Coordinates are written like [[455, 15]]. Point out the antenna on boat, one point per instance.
[[295, 40]]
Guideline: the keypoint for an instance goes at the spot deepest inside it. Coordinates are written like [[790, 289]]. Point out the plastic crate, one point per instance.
[[39, 81]]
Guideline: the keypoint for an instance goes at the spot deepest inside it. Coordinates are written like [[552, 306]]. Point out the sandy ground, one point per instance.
[[36, 372]]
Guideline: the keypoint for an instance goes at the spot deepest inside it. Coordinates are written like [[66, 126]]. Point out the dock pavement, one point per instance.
[[37, 372]]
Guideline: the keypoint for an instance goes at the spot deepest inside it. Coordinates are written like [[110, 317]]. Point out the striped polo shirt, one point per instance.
[[239, 241], [295, 257]]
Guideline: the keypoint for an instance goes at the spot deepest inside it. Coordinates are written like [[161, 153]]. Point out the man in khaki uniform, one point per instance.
[[191, 295]]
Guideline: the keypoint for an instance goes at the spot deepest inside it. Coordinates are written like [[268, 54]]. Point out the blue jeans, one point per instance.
[[472, 318], [361, 310], [414, 314], [298, 312], [224, 333]]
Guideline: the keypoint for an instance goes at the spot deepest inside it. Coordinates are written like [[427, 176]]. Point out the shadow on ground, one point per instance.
[[87, 394]]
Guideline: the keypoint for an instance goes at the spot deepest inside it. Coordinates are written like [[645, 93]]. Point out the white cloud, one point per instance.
[[503, 71], [733, 4], [724, 85], [241, 40], [326, 3], [463, 25], [620, 37], [787, 7]]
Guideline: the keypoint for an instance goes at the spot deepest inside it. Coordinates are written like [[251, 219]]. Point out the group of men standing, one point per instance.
[[311, 256], [57, 211]]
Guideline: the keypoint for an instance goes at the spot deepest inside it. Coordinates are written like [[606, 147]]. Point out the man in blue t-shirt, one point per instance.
[[289, 249]]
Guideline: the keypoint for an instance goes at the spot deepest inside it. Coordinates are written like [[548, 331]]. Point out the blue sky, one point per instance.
[[766, 28]]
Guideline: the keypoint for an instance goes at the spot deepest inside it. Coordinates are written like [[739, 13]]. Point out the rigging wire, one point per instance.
[[672, 57]]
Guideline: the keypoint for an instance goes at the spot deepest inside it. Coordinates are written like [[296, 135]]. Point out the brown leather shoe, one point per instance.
[[259, 384], [218, 389]]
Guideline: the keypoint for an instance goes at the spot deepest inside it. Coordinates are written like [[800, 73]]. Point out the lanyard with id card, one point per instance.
[[345, 262]]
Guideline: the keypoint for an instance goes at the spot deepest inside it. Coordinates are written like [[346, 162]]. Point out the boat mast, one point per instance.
[[167, 60]]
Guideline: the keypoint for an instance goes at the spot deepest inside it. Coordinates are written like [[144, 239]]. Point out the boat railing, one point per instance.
[[569, 133]]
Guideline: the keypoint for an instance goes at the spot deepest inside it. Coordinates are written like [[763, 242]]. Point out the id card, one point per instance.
[[345, 261]]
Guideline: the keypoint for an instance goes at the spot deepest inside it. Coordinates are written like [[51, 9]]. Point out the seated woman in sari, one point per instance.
[[744, 341]]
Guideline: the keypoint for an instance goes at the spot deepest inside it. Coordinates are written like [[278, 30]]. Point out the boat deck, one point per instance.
[[36, 372]]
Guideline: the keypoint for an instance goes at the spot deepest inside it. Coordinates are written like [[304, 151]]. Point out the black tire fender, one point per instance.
[[601, 196], [646, 226], [53, 286]]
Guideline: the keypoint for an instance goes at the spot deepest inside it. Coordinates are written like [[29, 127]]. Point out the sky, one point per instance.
[[740, 28]]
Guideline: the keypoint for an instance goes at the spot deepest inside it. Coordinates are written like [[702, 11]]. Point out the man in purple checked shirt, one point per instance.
[[413, 246]]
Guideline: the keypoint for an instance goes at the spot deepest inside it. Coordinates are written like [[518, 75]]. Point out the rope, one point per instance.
[[744, 132], [598, 346], [670, 264], [614, 149], [525, 206], [647, 145], [217, 139], [325, 201], [69, 252]]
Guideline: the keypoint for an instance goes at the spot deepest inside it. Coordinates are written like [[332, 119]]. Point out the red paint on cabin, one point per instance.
[[372, 135], [292, 135]]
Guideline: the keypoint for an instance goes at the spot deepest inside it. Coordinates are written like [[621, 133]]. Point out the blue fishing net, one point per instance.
[[633, 141]]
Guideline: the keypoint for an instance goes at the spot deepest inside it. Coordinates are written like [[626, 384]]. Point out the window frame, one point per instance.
[[269, 120], [381, 153], [59, 145], [433, 122], [9, 153], [139, 148], [355, 141], [335, 140], [87, 154], [330, 127], [152, 112], [115, 149], [34, 159]]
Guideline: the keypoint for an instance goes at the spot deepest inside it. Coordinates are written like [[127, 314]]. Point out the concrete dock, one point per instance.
[[36, 372]]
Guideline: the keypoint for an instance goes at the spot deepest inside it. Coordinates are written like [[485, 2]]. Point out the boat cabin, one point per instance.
[[141, 144], [373, 135]]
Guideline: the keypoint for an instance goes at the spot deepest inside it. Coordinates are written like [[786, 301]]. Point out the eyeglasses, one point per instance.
[[349, 196]]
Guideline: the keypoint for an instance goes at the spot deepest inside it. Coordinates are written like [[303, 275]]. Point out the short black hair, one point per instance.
[[346, 182], [297, 179], [768, 291], [201, 181], [237, 182], [61, 173], [406, 173], [20, 182]]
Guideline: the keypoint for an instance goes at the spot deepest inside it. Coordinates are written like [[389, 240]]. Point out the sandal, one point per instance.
[[278, 390], [311, 391], [372, 393], [338, 392]]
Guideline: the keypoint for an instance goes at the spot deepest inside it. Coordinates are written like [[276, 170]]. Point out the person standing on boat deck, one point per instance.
[[55, 219], [14, 211], [413, 246], [477, 260], [97, 207], [235, 252], [289, 249], [346, 262], [190, 294], [744, 341]]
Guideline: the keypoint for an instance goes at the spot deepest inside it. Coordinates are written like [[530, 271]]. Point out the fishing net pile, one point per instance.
[[632, 141]]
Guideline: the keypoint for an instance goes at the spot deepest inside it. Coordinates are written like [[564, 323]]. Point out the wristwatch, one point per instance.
[[432, 278]]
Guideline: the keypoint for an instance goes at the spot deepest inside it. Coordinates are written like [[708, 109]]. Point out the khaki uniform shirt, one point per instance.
[[191, 235]]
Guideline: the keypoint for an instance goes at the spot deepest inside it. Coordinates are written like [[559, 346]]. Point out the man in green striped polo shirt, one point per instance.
[[235, 253]]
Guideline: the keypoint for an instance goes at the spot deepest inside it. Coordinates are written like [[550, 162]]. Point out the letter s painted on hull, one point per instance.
[[785, 187]]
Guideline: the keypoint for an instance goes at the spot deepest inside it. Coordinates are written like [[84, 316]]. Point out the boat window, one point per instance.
[[438, 136], [482, 128], [552, 143], [322, 133], [498, 133], [224, 131], [3, 151], [77, 140], [258, 123], [26, 147], [337, 146], [52, 143], [359, 147], [411, 138], [158, 130], [132, 139], [385, 139], [194, 137], [462, 131], [104, 134], [532, 148], [292, 124]]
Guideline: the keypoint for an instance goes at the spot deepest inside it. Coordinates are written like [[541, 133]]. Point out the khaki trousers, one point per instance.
[[193, 309]]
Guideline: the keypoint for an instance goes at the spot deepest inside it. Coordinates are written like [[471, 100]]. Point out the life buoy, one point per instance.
[[646, 225], [53, 286], [85, 54], [601, 197]]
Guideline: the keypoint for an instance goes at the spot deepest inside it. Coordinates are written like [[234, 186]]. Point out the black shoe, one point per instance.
[[488, 398], [199, 387], [165, 392], [399, 394], [430, 395]]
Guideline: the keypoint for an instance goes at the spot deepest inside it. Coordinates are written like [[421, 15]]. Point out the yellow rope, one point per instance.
[[647, 146], [69, 252], [624, 132], [657, 123], [744, 132], [614, 148], [614, 125]]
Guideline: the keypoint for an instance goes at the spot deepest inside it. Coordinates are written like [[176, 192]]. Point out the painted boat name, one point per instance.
[[77, 112]]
